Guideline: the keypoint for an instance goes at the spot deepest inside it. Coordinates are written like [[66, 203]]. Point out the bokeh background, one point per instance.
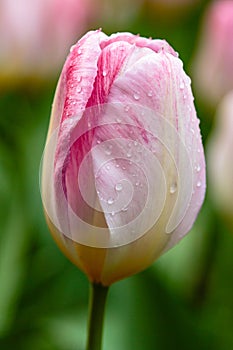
[[185, 300]]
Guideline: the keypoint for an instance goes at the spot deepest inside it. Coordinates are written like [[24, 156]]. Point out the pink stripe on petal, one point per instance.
[[154, 44]]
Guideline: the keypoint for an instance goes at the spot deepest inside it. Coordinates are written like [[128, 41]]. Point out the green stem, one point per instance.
[[97, 301]]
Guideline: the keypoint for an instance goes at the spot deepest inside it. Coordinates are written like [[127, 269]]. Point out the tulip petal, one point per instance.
[[156, 45], [158, 83], [68, 130]]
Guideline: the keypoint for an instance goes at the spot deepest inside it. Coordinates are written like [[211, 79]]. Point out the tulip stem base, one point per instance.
[[97, 301]]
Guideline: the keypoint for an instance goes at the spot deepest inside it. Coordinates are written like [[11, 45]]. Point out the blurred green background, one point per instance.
[[184, 301]]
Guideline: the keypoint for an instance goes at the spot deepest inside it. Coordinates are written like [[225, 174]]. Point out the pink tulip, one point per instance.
[[213, 65], [123, 172], [220, 157], [35, 35]]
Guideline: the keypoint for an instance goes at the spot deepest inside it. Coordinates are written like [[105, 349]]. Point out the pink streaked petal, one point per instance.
[[154, 44], [158, 83], [109, 66], [76, 80], [74, 90], [79, 73]]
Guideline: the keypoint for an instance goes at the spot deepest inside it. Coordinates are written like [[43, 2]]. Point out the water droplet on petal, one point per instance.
[[79, 51], [104, 73], [79, 89], [136, 96], [110, 201], [150, 93], [118, 187], [173, 188], [198, 168], [181, 86], [72, 48], [126, 108], [199, 184], [108, 152], [124, 209], [79, 79]]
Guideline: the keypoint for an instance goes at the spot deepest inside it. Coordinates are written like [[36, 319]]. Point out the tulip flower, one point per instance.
[[123, 172], [36, 34], [212, 67], [220, 157]]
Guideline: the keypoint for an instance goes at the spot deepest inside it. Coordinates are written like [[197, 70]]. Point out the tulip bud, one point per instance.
[[212, 67], [123, 171], [220, 157]]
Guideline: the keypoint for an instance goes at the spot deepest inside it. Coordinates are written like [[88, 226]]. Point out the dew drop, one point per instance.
[[108, 152], [198, 168], [79, 51], [118, 120], [126, 108], [108, 167], [150, 93], [79, 89], [181, 86], [72, 48], [110, 201], [79, 79], [129, 155], [89, 124], [104, 73], [118, 187], [199, 184], [173, 188], [124, 209], [98, 141], [137, 183], [113, 213], [136, 96]]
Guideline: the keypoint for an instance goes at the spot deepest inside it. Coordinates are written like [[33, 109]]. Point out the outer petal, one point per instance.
[[156, 45], [68, 126], [157, 83]]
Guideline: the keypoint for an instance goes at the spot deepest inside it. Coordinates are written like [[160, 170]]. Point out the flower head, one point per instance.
[[123, 174]]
